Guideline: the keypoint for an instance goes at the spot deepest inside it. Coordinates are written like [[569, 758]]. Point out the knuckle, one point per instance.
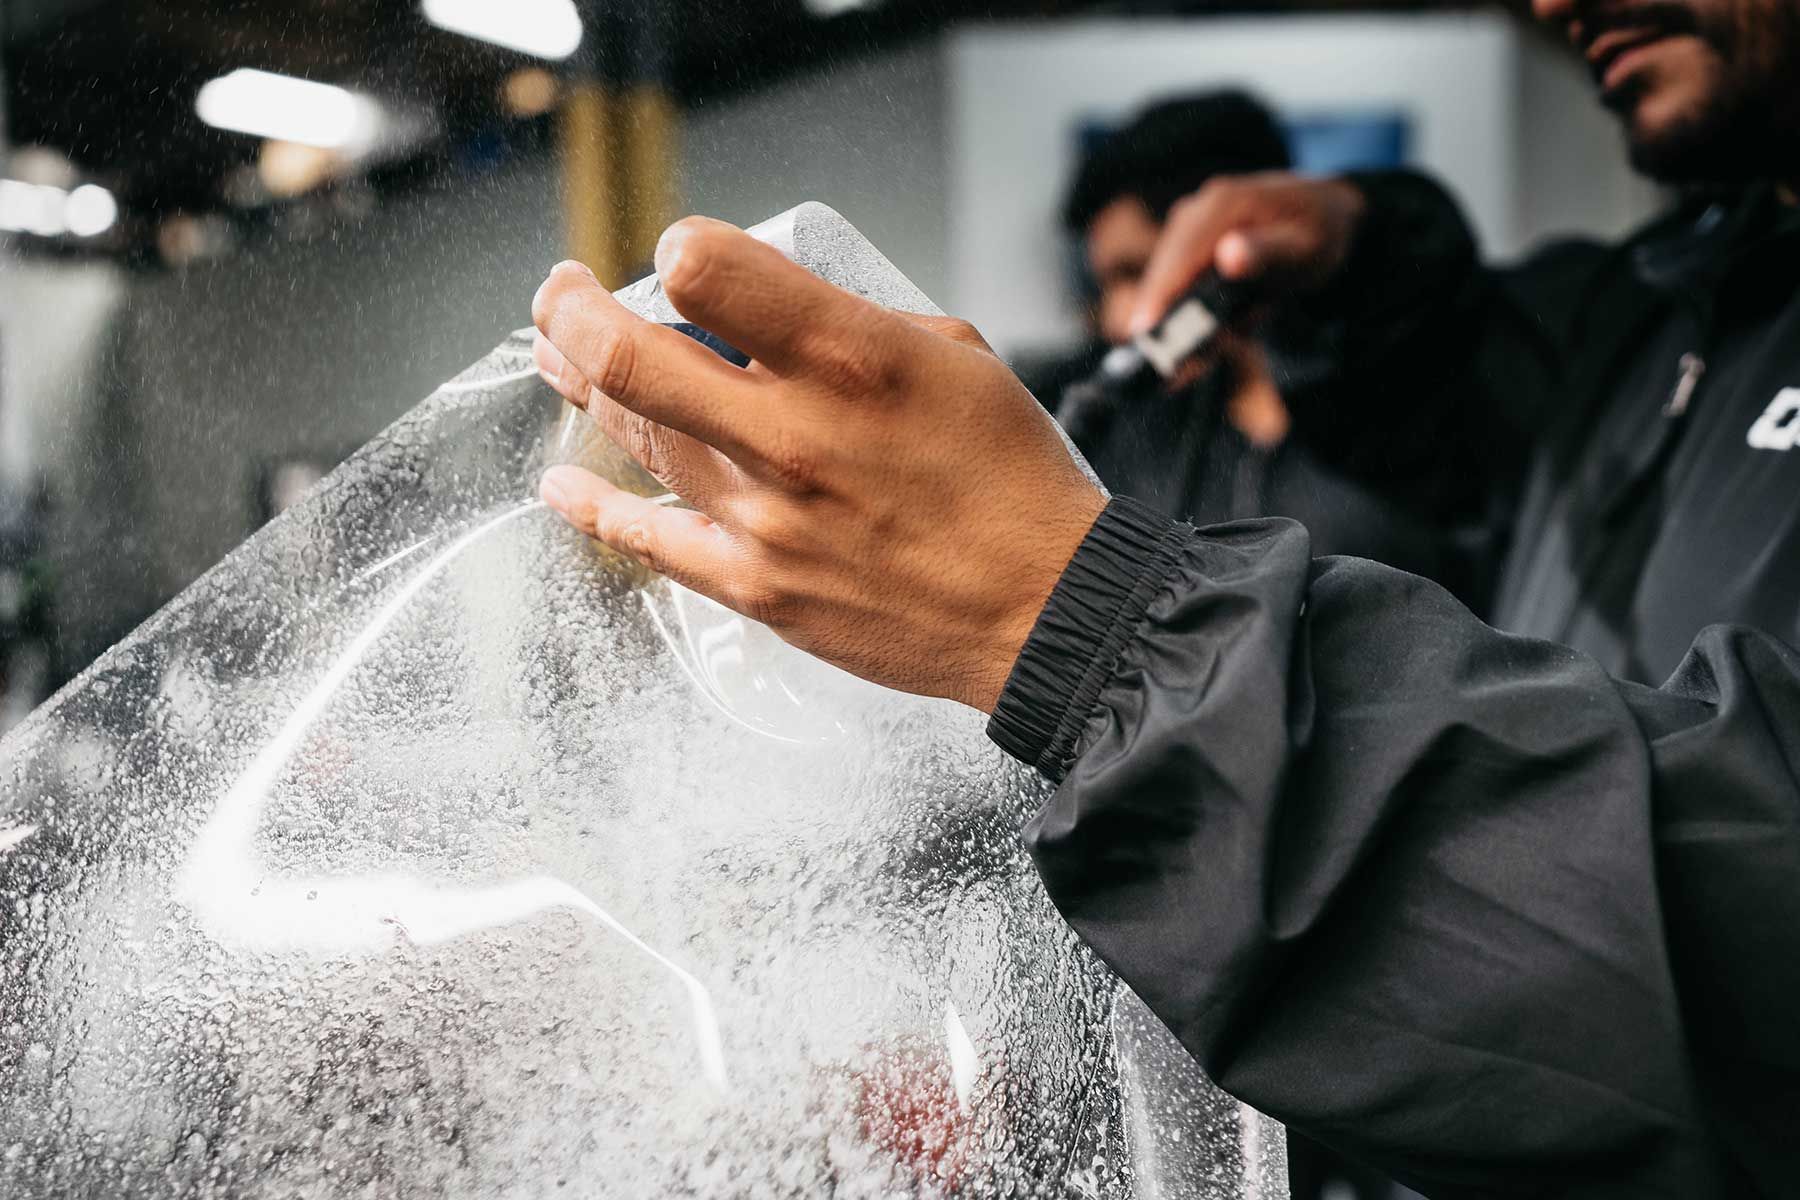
[[770, 529], [640, 439], [963, 331], [612, 361], [794, 467], [640, 442], [763, 598], [635, 538], [842, 361], [858, 363], [754, 519]]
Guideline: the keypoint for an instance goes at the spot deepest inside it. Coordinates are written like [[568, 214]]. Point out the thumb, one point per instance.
[[1281, 253]]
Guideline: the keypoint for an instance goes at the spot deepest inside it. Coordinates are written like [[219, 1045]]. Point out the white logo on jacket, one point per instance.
[[1779, 426]]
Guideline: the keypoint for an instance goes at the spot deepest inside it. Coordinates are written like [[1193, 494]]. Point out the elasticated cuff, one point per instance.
[[1093, 611]]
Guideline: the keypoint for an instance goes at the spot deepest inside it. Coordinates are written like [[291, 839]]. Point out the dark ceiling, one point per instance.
[[112, 83]]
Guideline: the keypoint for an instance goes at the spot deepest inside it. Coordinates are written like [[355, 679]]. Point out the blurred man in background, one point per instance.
[[1644, 398], [1213, 445], [1125, 185]]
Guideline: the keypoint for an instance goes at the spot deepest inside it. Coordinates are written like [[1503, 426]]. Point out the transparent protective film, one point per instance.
[[424, 847], [1186, 1139]]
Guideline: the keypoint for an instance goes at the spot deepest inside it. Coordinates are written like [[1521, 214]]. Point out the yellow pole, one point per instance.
[[647, 130], [618, 174], [590, 187]]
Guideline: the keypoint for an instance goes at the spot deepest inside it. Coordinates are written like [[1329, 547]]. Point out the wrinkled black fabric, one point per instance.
[[1490, 912], [1530, 401], [1453, 901], [1177, 452]]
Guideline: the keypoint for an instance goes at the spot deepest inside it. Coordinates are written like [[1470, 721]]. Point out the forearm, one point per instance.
[[1391, 875]]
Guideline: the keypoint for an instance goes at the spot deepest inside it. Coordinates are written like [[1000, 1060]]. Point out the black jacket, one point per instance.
[[1458, 901], [1177, 452]]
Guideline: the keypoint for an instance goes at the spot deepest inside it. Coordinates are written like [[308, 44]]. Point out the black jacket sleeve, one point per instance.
[[1452, 901]]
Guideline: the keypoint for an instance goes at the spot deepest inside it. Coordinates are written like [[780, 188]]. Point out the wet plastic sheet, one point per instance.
[[424, 847]]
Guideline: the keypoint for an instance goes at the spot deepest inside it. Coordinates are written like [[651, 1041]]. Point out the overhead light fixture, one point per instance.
[[48, 211], [545, 28], [32, 208], [90, 210], [837, 8], [294, 110], [528, 92], [290, 169]]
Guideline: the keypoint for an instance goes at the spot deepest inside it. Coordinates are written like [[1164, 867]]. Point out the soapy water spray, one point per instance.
[[225, 884], [835, 939]]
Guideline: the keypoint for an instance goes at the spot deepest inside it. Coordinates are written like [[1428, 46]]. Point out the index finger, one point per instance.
[[648, 368], [1187, 247], [753, 296]]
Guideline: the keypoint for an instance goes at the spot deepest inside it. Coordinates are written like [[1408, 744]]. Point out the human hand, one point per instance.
[[1280, 230], [877, 488]]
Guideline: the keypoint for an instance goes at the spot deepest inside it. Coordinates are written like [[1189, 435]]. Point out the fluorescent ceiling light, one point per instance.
[[32, 208], [294, 110], [546, 28], [90, 210], [837, 8]]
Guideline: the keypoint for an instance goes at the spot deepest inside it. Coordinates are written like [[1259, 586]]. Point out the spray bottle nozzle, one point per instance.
[[1185, 330]]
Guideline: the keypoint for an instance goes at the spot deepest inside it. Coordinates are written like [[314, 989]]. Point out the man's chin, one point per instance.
[[1675, 159], [1691, 146], [1693, 156], [1686, 127]]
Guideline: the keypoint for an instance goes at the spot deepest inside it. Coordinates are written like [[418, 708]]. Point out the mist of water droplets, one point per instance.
[[425, 848]]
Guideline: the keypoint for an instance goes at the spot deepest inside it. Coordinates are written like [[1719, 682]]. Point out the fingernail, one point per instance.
[[1234, 257], [1142, 321], [570, 264], [550, 361], [668, 248], [552, 493]]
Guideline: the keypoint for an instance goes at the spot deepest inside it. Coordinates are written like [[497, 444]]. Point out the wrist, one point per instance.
[[1062, 540], [1096, 606]]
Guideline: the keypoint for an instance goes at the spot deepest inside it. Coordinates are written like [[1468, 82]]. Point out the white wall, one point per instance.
[[58, 333], [53, 321], [866, 137], [310, 348], [1016, 94], [148, 401]]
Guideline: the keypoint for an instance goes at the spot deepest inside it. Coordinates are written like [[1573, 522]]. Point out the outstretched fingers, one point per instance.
[[682, 544], [650, 369], [685, 465], [773, 309]]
